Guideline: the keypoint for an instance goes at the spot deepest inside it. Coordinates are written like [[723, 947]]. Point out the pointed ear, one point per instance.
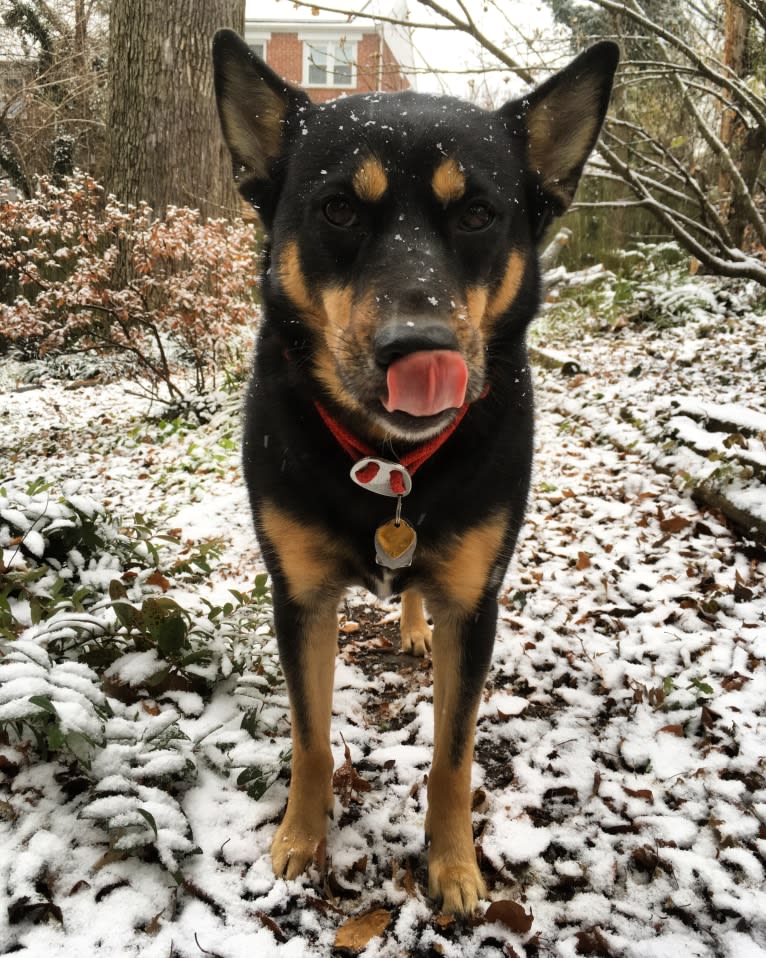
[[254, 106], [563, 117]]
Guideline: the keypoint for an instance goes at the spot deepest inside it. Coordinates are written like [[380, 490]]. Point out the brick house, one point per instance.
[[328, 55]]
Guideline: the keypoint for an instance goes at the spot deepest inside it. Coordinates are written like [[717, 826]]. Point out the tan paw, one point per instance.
[[457, 885], [294, 848], [416, 638]]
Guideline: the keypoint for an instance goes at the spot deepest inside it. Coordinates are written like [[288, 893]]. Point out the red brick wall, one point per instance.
[[284, 53]]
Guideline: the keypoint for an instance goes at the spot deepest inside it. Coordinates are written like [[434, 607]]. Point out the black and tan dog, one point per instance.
[[388, 439]]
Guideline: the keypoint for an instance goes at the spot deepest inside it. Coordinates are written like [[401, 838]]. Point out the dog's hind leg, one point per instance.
[[413, 626]]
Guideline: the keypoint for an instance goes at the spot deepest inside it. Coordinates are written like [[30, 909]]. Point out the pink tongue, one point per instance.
[[427, 382]]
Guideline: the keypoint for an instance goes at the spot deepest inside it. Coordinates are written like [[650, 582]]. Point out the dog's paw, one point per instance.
[[416, 637], [294, 848], [457, 885]]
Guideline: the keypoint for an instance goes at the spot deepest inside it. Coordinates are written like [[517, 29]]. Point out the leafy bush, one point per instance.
[[99, 663], [80, 273], [653, 285]]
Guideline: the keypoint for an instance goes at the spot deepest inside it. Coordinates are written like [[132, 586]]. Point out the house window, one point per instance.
[[328, 63], [259, 48]]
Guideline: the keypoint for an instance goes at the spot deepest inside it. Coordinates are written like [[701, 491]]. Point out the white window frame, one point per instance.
[[259, 42], [255, 36], [332, 43]]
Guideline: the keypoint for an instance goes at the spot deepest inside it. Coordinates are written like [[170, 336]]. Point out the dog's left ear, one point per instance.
[[254, 105], [563, 117]]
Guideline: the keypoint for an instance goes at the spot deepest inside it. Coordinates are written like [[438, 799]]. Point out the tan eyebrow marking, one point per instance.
[[448, 181], [502, 299], [370, 181]]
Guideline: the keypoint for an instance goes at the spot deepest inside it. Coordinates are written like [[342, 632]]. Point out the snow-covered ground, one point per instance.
[[621, 753]]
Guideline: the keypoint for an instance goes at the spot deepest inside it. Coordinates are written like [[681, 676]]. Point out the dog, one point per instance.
[[389, 419]]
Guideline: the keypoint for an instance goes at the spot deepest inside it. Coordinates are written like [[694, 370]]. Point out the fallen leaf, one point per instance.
[[673, 730], [592, 943], [268, 922], [639, 793], [408, 882], [358, 868], [354, 934], [734, 682], [583, 561], [511, 914], [347, 782], [674, 524], [157, 578]]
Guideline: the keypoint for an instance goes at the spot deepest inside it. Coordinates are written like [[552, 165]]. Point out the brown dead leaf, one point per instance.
[[583, 561], [673, 730], [358, 868], [674, 525], [348, 627], [158, 579], [153, 926], [592, 943], [408, 882], [268, 922], [644, 793], [734, 682], [354, 934], [511, 914], [347, 782]]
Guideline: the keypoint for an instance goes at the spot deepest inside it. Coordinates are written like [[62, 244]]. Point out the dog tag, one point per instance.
[[381, 476], [395, 543]]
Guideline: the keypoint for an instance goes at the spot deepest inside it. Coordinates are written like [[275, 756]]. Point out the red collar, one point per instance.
[[411, 461]]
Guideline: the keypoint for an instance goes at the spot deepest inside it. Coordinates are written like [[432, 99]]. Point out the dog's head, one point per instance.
[[403, 226]]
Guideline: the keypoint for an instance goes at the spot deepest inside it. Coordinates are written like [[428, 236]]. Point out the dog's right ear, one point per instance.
[[254, 105]]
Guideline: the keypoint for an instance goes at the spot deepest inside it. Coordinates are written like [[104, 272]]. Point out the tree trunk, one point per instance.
[[734, 50], [165, 147], [745, 144]]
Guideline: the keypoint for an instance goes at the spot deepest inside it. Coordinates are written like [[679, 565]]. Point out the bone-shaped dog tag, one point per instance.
[[381, 476], [395, 543]]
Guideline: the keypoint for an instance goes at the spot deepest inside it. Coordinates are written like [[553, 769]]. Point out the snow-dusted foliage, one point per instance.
[[79, 272], [99, 662]]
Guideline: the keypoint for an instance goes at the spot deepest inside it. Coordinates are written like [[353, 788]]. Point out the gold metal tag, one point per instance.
[[395, 543]]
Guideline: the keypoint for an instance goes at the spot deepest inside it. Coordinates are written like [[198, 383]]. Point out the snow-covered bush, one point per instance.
[[99, 664], [653, 285], [81, 273]]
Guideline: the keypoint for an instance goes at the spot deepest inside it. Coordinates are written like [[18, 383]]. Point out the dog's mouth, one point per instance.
[[426, 383]]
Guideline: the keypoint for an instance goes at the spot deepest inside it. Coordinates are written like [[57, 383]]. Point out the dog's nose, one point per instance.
[[400, 338]]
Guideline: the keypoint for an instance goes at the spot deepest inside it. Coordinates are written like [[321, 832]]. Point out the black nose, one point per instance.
[[401, 338]]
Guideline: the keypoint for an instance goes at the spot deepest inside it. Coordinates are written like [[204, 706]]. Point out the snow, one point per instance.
[[621, 744]]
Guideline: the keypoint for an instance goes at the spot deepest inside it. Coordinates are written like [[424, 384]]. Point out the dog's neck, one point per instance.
[[412, 460]]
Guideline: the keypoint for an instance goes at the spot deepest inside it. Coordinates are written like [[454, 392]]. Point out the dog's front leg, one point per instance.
[[303, 561], [461, 651], [308, 641]]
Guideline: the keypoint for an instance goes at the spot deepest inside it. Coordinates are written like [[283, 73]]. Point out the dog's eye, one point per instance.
[[340, 212], [477, 216]]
